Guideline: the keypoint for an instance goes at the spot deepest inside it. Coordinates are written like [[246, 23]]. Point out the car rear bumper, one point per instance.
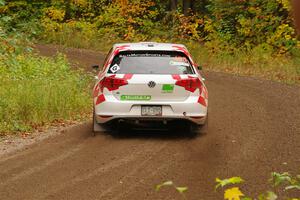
[[189, 109]]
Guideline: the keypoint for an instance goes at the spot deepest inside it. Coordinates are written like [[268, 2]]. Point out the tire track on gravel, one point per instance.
[[47, 163], [254, 127], [147, 175], [135, 158], [135, 170], [62, 143]]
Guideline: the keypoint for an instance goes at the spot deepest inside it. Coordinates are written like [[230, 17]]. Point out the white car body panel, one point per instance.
[[178, 104]]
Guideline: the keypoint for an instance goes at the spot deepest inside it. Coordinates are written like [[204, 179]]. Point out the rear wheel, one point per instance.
[[183, 128]]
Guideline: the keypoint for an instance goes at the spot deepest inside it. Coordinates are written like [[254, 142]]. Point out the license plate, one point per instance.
[[151, 110]]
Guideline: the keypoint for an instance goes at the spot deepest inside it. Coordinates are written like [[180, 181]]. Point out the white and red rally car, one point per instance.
[[149, 82]]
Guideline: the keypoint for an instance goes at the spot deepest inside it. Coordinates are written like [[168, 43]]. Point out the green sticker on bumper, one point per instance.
[[167, 88], [135, 97]]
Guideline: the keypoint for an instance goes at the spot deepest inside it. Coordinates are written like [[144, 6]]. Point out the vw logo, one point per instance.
[[151, 84]]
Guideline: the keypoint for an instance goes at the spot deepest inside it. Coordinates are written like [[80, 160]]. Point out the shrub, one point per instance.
[[36, 90], [282, 187], [251, 23], [254, 37]]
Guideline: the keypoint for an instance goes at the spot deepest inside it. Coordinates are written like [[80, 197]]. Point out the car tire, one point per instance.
[[183, 129], [123, 128]]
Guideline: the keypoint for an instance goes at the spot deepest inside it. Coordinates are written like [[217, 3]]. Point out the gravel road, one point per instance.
[[254, 129]]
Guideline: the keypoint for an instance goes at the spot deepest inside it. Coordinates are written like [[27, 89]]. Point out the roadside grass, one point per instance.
[[36, 91], [77, 35], [257, 62]]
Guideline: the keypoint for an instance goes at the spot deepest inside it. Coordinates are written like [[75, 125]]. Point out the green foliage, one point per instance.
[[278, 180], [225, 182], [268, 196], [22, 17], [251, 23], [221, 25], [167, 183], [292, 183], [254, 37], [83, 33], [37, 90], [129, 20], [180, 190]]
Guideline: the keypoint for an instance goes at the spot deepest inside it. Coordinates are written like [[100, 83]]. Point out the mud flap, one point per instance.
[[204, 128], [97, 127]]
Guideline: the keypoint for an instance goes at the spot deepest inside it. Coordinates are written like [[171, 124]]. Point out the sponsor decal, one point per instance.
[[177, 63], [135, 97], [144, 55], [115, 68], [167, 88]]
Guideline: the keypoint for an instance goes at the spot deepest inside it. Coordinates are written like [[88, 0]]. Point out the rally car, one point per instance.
[[149, 82]]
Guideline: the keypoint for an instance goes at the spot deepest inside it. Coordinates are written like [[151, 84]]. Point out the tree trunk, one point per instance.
[[296, 11], [173, 5], [187, 6]]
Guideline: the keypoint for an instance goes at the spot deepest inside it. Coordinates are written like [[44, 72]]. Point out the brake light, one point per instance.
[[112, 83], [191, 84]]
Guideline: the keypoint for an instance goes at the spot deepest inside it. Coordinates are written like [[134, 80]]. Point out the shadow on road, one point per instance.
[[156, 134]]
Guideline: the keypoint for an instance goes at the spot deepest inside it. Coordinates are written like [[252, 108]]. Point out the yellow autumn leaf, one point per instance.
[[233, 194]]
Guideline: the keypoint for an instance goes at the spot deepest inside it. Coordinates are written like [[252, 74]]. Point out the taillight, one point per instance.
[[190, 84], [112, 83]]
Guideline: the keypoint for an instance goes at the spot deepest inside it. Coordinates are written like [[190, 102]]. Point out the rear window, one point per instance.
[[154, 62]]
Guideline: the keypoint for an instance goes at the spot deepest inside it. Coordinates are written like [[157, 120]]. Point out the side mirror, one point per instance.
[[95, 67], [199, 67]]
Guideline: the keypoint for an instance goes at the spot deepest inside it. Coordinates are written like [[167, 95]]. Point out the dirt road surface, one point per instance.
[[254, 129]]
